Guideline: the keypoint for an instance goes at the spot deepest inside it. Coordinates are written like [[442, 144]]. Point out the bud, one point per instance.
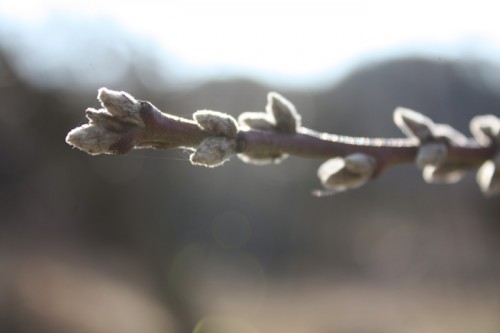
[[413, 124], [93, 139], [431, 154], [286, 117], [443, 174], [435, 140], [257, 121], [216, 123], [350, 172], [450, 135], [121, 105], [281, 116], [486, 129], [213, 151], [488, 176]]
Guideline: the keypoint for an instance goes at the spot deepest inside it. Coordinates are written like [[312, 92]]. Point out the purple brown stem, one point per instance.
[[387, 152], [164, 131]]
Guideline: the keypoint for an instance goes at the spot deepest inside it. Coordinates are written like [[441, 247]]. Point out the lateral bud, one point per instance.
[[280, 116], [216, 123], [488, 176], [435, 140], [121, 105], [213, 151], [284, 113], [92, 139], [257, 121], [343, 173], [486, 131], [432, 154], [413, 124], [443, 174]]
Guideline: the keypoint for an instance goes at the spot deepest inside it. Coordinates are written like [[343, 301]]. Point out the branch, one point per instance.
[[444, 154]]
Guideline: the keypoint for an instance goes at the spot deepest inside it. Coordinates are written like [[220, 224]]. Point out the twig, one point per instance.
[[124, 123]]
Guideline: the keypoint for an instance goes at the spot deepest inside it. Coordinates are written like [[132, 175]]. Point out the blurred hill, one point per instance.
[[152, 212]]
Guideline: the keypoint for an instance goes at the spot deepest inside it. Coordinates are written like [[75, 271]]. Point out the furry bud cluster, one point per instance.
[[434, 141], [280, 117], [486, 131], [108, 126], [217, 148]]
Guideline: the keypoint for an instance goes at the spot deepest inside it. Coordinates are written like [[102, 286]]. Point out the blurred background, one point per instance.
[[148, 243]]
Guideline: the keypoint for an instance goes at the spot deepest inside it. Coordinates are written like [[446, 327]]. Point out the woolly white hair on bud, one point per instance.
[[216, 123], [121, 105], [488, 177], [108, 96], [340, 174], [442, 174], [257, 121], [451, 135], [331, 167], [433, 154], [413, 124], [104, 119], [97, 116], [485, 129], [92, 139], [285, 115], [213, 151]]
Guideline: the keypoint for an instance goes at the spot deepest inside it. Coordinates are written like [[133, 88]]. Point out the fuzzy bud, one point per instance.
[[257, 121], [444, 132], [93, 139], [433, 154], [104, 119], [416, 125], [488, 176], [413, 124], [486, 129], [435, 140], [111, 130], [442, 174], [213, 151], [216, 123], [340, 174], [121, 105], [286, 117], [280, 116], [431, 158]]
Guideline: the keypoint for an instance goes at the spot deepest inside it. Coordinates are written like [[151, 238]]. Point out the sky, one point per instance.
[[287, 41]]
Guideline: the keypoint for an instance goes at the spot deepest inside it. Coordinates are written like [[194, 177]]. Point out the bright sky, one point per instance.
[[289, 38]]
